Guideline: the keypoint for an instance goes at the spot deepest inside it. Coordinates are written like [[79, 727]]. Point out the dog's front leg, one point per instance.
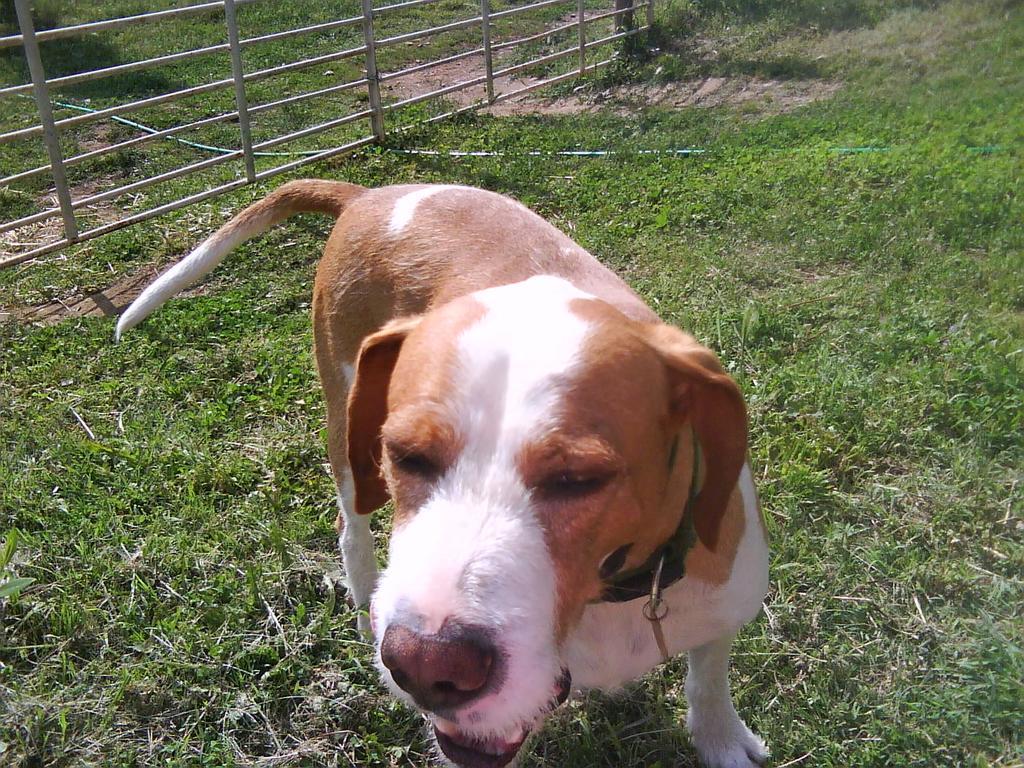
[[356, 543], [722, 739]]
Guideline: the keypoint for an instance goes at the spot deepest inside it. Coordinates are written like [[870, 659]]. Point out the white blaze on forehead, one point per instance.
[[406, 205], [513, 359]]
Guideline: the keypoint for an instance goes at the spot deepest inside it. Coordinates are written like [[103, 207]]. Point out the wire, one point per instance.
[[684, 152], [544, 153], [186, 142]]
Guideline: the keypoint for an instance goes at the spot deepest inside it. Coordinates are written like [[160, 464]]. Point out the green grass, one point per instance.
[[186, 608]]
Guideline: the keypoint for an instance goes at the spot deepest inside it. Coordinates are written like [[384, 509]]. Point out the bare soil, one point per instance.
[[109, 302], [32, 236], [769, 95], [455, 72]]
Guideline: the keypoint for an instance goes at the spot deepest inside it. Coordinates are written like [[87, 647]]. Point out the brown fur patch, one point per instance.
[[615, 414], [419, 419]]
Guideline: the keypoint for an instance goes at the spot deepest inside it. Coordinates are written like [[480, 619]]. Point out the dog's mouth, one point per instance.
[[469, 751]]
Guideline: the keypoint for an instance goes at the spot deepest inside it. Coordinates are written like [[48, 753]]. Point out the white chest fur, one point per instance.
[[614, 643]]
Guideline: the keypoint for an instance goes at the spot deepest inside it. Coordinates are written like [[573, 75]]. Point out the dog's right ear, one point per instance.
[[367, 409]]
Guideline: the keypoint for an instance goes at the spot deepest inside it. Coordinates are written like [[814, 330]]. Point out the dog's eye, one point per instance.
[[566, 486], [412, 463]]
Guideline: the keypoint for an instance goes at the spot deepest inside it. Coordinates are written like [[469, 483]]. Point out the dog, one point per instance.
[[573, 502]]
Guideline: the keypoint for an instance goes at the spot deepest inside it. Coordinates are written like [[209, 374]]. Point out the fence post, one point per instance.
[[623, 20], [650, 17], [485, 26], [372, 80], [582, 32], [241, 102], [50, 136]]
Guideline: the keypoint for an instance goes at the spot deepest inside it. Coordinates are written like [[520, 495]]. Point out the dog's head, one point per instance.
[[525, 434]]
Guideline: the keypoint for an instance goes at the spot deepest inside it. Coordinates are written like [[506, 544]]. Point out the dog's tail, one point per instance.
[[330, 197]]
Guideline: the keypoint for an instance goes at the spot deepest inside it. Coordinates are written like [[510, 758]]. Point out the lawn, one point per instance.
[[857, 262]]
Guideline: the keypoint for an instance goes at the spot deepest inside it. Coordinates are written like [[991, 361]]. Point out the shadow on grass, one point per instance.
[[640, 726], [834, 15], [71, 55], [781, 68], [733, 38]]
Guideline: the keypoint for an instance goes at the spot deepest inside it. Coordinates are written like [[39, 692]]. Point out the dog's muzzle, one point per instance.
[[447, 672], [469, 751]]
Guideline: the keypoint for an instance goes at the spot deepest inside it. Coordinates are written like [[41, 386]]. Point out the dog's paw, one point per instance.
[[727, 744]]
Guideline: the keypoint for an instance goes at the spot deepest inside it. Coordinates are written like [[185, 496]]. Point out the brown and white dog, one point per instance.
[[553, 452]]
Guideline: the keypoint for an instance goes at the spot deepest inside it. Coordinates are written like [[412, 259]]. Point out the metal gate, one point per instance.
[[586, 32]]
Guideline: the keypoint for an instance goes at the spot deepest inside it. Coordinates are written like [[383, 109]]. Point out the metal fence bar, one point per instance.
[[263, 74], [616, 36], [183, 202], [525, 8], [549, 81], [151, 213], [175, 173], [327, 153], [567, 52], [314, 129], [530, 38], [175, 57], [406, 37], [99, 152], [119, 69], [503, 96], [241, 102], [434, 94], [438, 118], [327, 26], [485, 30], [164, 98], [100, 197], [429, 65], [99, 114], [169, 132], [125, 21], [581, 31], [53, 149], [534, 62], [372, 78], [308, 95]]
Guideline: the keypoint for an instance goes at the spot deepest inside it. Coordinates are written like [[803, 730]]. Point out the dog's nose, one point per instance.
[[441, 671]]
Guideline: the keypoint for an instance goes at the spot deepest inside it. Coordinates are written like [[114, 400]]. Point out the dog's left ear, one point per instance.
[[368, 408], [702, 394]]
